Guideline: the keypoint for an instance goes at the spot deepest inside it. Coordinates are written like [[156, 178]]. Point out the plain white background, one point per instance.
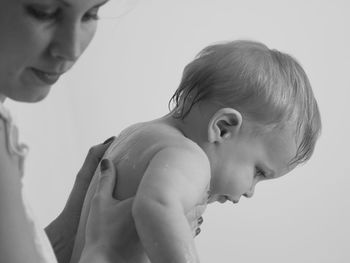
[[128, 75]]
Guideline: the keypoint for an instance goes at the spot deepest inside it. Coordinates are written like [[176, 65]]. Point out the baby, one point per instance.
[[243, 114]]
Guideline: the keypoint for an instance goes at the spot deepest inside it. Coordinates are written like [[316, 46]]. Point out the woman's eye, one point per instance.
[[41, 14], [90, 16]]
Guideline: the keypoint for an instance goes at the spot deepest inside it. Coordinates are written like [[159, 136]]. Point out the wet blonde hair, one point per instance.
[[265, 85]]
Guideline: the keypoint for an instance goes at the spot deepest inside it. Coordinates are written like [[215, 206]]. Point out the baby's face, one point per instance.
[[246, 159]]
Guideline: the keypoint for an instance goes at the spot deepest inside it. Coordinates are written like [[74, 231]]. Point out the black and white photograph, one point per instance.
[[174, 131]]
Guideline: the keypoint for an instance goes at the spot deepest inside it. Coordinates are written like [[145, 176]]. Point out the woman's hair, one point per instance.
[[266, 86]]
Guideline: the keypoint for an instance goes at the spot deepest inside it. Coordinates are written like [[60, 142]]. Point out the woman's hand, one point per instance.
[[110, 229], [195, 220], [62, 230]]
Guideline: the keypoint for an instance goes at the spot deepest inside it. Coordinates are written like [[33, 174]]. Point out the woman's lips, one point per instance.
[[46, 77]]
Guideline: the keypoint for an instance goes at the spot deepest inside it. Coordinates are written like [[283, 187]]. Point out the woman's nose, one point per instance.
[[67, 44]]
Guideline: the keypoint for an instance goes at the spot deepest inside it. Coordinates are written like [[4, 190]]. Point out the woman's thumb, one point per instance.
[[107, 178]]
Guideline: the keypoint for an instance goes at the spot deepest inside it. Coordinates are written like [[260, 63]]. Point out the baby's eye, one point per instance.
[[259, 172], [42, 13]]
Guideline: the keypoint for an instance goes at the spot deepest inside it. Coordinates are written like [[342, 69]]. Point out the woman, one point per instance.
[[40, 41]]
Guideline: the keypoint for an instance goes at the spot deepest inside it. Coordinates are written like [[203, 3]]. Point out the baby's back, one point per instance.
[[134, 149], [131, 153]]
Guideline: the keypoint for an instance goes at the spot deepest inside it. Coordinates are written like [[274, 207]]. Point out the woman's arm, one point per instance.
[[62, 230], [174, 182]]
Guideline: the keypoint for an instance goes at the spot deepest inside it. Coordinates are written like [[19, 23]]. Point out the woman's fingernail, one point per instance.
[[109, 140], [198, 230], [104, 165], [200, 220]]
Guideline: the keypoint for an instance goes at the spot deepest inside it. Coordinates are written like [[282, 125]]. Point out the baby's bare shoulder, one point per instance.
[[145, 141], [154, 135], [174, 142]]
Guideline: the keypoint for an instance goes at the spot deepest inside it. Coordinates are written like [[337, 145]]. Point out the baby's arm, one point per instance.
[[174, 181]]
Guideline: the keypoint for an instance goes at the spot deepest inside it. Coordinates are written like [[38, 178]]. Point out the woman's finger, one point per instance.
[[198, 230], [83, 179], [200, 221], [92, 159], [107, 179]]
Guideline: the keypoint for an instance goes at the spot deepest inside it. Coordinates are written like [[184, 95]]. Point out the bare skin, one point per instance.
[[174, 167], [132, 152]]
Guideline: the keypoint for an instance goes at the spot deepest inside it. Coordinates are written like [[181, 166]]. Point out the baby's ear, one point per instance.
[[224, 124]]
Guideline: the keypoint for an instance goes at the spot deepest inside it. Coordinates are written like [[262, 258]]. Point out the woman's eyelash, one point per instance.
[[91, 16], [42, 15]]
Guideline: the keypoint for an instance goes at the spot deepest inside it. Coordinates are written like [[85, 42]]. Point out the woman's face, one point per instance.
[[39, 41]]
